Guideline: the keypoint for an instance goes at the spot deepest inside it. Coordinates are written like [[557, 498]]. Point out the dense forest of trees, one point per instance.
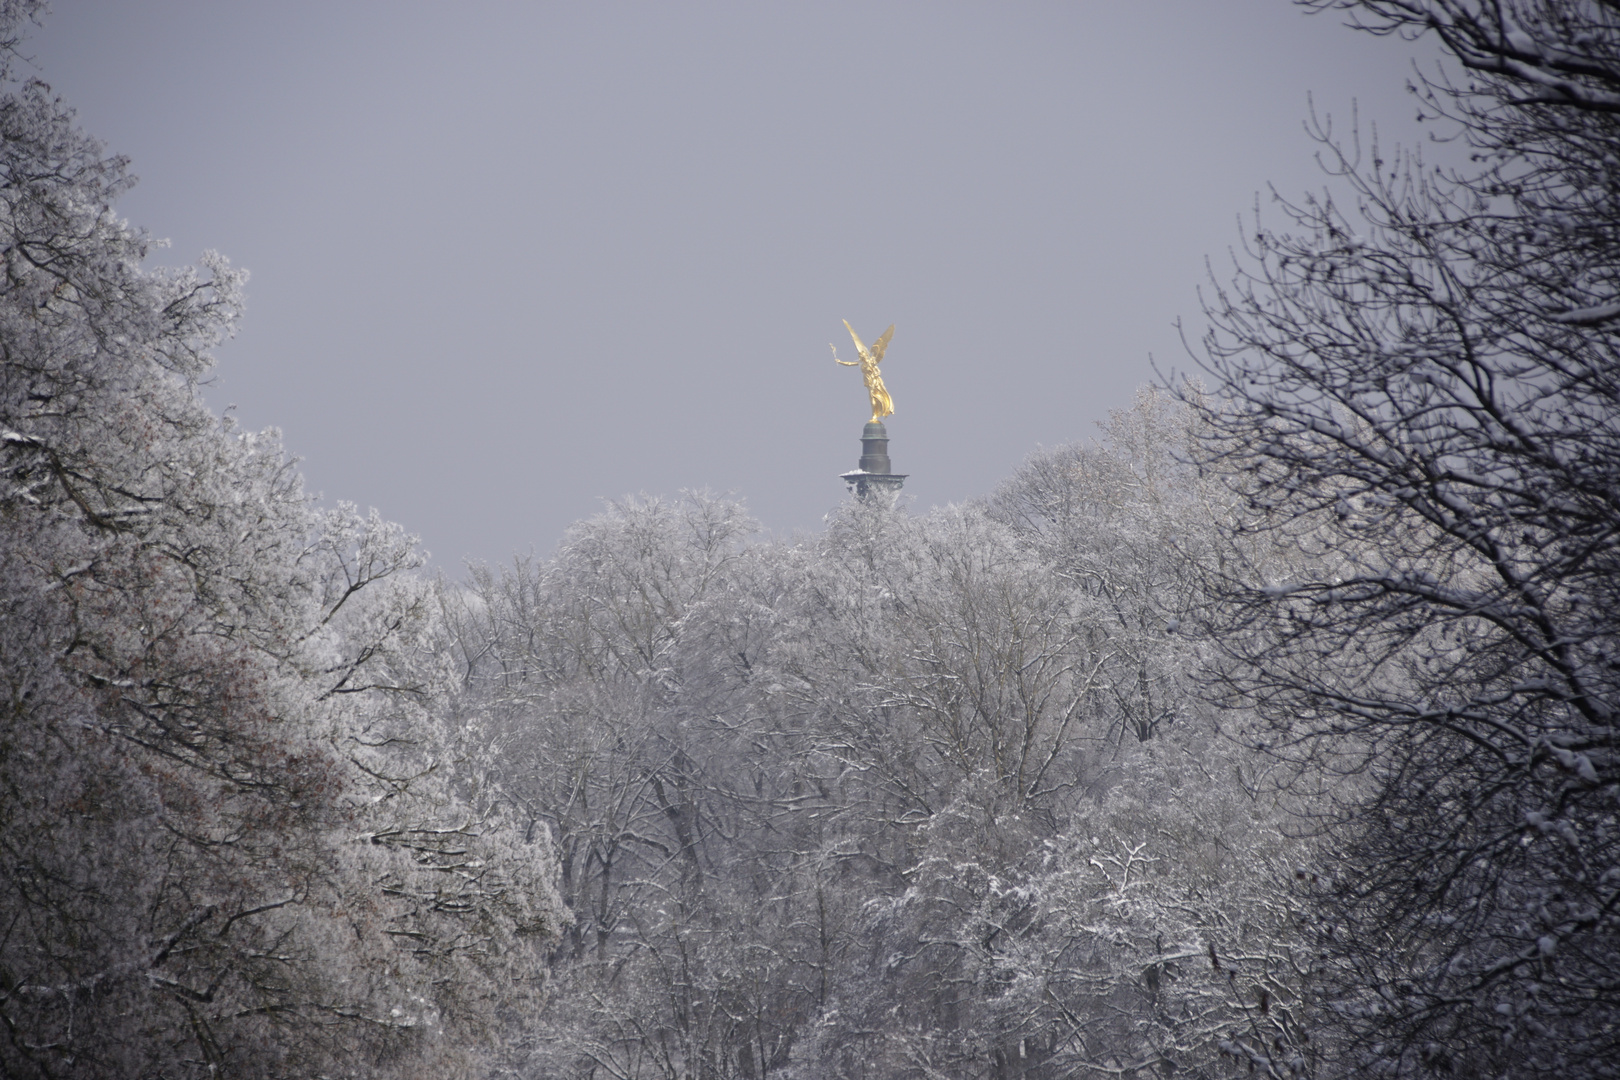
[[1271, 733], [921, 796]]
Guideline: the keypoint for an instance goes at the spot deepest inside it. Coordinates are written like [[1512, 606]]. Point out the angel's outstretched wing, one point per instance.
[[882, 343], [865, 354]]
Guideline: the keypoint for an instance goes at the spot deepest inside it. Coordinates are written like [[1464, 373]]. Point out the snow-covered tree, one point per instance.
[[855, 805], [1065, 927], [1422, 395], [1120, 522], [612, 687], [227, 847]]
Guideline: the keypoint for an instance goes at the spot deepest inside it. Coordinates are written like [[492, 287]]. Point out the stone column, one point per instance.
[[875, 479]]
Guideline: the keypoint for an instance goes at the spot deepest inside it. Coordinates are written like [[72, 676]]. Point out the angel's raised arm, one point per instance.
[[846, 363]]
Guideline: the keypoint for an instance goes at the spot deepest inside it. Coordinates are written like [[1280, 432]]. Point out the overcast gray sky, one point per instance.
[[508, 259]]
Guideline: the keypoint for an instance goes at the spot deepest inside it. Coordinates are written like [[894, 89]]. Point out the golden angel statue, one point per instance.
[[882, 404]]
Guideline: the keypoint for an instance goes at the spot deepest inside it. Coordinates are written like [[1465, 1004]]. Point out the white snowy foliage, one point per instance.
[[825, 808], [228, 843]]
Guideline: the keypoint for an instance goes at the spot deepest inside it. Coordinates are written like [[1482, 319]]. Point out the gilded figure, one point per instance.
[[882, 404]]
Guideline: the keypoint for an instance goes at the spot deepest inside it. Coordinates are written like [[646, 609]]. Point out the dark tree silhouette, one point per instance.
[[1422, 395]]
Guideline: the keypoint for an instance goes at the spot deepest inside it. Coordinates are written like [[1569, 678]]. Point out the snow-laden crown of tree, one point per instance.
[[230, 843]]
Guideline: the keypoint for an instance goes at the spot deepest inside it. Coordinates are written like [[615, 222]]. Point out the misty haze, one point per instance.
[[458, 618]]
